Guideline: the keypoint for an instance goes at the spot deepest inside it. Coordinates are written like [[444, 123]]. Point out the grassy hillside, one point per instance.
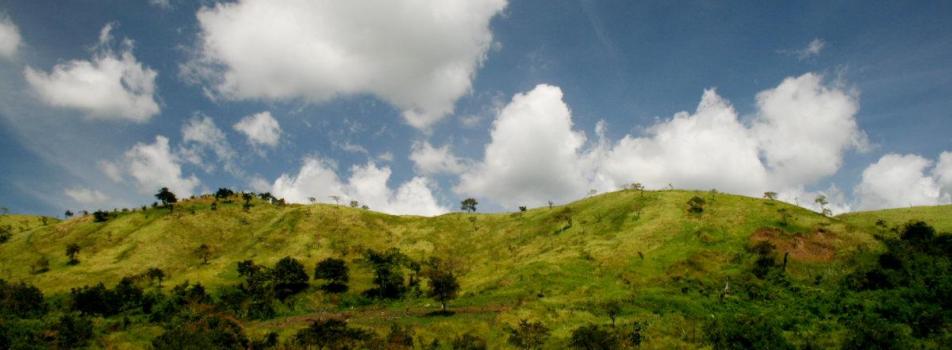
[[555, 265], [938, 216]]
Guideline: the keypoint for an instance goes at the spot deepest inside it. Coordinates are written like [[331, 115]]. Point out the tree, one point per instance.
[[528, 335], [223, 193], [612, 309], [247, 197], [72, 332], [443, 283], [100, 216], [354, 204], [696, 205], [312, 200], [336, 199], [335, 272], [468, 204], [167, 197], [71, 250], [770, 195], [203, 252], [155, 273], [388, 274], [68, 214], [289, 278], [522, 208], [821, 200]]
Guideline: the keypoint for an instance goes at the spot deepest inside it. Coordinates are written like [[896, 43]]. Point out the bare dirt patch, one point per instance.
[[810, 247]]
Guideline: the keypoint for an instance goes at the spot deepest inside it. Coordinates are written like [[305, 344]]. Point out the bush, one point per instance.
[[528, 335], [21, 300], [331, 334], [729, 331], [696, 205], [469, 341], [100, 216], [72, 331], [594, 337], [204, 332]]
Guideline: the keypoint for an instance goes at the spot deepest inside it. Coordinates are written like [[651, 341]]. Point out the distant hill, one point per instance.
[[553, 264]]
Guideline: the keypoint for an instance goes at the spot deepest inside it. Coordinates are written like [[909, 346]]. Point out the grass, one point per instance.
[[642, 248]]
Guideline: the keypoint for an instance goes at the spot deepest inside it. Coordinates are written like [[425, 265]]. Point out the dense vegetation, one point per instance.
[[630, 269]]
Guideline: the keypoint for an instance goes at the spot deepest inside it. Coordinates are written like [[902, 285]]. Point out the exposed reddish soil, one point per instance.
[[811, 247]]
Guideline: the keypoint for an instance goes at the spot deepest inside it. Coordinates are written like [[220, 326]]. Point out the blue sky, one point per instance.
[[412, 106]]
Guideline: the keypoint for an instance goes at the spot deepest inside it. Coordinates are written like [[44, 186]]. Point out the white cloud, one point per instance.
[[154, 166], [261, 129], [111, 85], [803, 129], [707, 149], [430, 160], [111, 170], [86, 196], [10, 39], [418, 55], [533, 153], [812, 49], [367, 184], [943, 172], [200, 133], [259, 184], [796, 138], [902, 180], [385, 156]]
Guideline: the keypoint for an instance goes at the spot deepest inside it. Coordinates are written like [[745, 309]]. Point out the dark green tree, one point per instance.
[[167, 197], [469, 204], [203, 252], [289, 278], [72, 250], [335, 272], [442, 281]]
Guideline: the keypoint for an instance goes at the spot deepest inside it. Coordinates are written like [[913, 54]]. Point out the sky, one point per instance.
[[410, 106]]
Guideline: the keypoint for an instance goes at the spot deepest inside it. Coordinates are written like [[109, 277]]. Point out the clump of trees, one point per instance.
[[388, 269]]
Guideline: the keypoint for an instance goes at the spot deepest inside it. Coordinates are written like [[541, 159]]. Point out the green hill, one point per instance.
[[665, 265]]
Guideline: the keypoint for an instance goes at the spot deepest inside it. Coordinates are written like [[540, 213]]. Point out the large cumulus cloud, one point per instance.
[[419, 55]]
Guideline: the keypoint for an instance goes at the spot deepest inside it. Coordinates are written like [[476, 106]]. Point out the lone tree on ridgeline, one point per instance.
[[770, 195], [821, 200], [72, 250], [167, 197], [469, 204], [224, 193], [443, 284], [335, 272]]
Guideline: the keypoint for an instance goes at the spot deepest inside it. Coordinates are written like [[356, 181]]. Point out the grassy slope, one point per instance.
[[517, 265], [939, 217]]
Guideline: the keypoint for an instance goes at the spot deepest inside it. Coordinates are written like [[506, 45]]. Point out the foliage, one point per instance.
[[335, 272], [442, 281], [202, 332], [100, 216], [72, 331], [21, 300], [742, 331], [331, 334], [469, 204], [696, 205], [528, 335], [289, 278], [167, 197], [72, 250], [595, 337], [469, 341], [388, 273]]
